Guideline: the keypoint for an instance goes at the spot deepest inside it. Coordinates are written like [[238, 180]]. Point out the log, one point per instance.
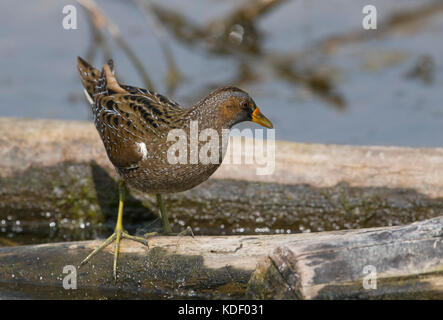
[[328, 265], [44, 143], [381, 263], [56, 173], [56, 184]]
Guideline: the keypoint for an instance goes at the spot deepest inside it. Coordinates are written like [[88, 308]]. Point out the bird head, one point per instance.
[[235, 106]]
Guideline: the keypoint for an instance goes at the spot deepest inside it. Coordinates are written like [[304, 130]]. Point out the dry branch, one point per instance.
[[100, 21]]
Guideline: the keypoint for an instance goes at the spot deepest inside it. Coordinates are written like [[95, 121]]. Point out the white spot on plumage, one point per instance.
[[143, 149]]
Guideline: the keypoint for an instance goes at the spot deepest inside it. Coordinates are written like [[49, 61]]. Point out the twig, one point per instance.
[[249, 54], [101, 21], [173, 78], [98, 40], [394, 22]]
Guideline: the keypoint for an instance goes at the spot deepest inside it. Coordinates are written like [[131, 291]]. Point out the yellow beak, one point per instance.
[[259, 118]]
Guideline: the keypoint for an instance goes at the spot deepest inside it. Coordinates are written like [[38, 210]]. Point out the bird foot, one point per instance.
[[116, 236], [187, 232]]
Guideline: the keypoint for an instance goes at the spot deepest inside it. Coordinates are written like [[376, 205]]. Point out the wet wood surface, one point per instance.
[[27, 143], [383, 263], [56, 184], [407, 261], [56, 171]]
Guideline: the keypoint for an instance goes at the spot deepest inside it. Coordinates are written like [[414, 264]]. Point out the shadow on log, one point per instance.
[[407, 261]]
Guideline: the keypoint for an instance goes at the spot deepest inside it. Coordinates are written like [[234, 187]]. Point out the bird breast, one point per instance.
[[178, 162]]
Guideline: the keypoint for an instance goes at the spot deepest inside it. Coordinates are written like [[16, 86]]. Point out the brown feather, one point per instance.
[[134, 124]]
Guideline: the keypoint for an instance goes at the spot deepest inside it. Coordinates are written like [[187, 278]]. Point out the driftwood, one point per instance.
[[407, 262], [53, 171], [27, 143], [56, 173]]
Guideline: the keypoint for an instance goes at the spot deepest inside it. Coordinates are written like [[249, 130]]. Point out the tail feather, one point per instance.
[[98, 83], [89, 76], [108, 83]]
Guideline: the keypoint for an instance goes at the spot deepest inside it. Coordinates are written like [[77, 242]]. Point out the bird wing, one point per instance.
[[126, 121], [126, 117], [153, 96]]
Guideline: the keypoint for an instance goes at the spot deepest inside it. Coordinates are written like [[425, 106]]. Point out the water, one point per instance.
[[382, 106]]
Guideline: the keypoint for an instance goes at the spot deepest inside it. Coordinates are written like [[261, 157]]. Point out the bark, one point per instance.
[[382, 263], [329, 265], [45, 143], [56, 184], [53, 171]]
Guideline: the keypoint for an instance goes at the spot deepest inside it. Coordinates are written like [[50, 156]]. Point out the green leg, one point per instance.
[[165, 222], [118, 234]]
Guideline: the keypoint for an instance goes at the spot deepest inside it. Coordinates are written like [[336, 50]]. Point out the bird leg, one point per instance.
[[118, 234], [165, 219], [165, 222]]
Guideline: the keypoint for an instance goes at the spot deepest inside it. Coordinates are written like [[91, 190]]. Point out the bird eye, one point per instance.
[[245, 105]]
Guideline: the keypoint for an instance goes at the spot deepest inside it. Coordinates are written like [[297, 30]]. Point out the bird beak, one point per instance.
[[259, 118]]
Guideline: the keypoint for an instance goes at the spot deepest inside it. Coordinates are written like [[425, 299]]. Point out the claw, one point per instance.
[[120, 233], [187, 231], [116, 236], [102, 246]]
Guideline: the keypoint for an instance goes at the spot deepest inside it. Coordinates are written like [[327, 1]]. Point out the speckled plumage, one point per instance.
[[133, 124]]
